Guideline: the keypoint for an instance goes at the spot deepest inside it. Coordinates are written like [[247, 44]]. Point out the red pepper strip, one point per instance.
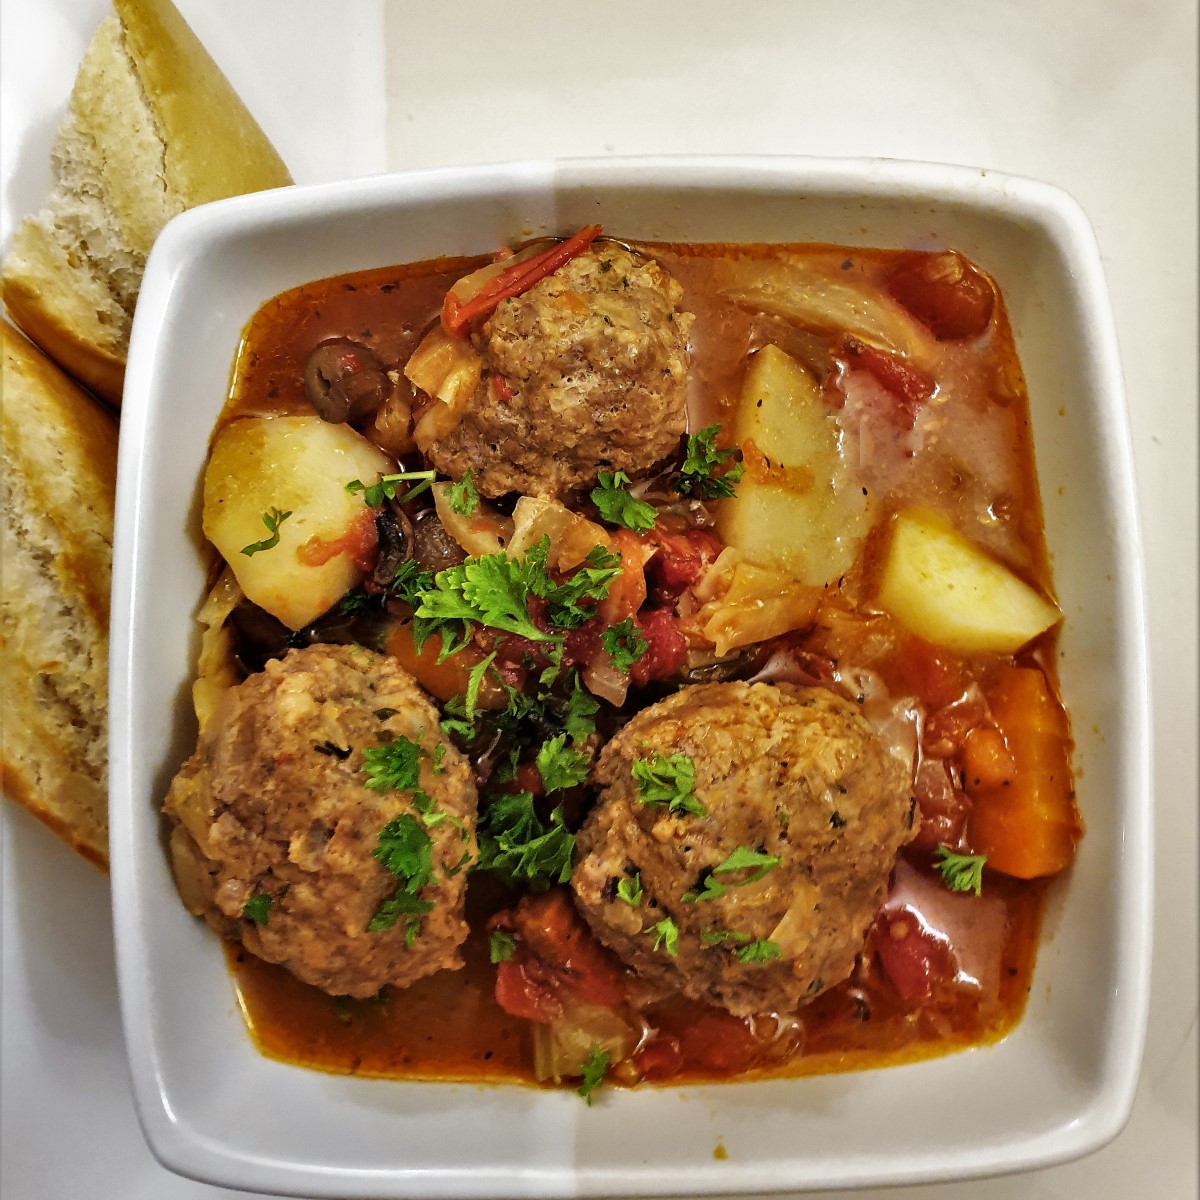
[[512, 281]]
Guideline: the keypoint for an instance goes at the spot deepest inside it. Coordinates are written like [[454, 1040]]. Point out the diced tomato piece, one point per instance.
[[660, 1057], [551, 930], [679, 562], [945, 293], [916, 961], [360, 543], [666, 647], [935, 676], [947, 730], [943, 809], [1028, 825], [520, 994], [717, 1040], [909, 387]]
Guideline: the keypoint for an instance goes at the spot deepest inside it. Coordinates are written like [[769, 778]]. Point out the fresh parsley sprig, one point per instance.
[[516, 844], [666, 936], [624, 644], [272, 519], [960, 872], [462, 496], [593, 1072], [501, 946], [560, 766], [755, 862], [386, 487], [706, 471], [616, 506], [629, 889], [668, 782]]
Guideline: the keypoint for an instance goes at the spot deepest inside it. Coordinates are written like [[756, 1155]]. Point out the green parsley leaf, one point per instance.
[[668, 783], [759, 951], [439, 754], [272, 519], [406, 851], [629, 889], [699, 474], [462, 496], [580, 711], [386, 486], [394, 766], [624, 644], [501, 946], [565, 608], [594, 1071], [561, 767], [742, 859], [257, 908], [961, 872], [410, 582], [403, 903], [517, 845], [666, 935], [474, 683], [617, 506], [714, 937], [356, 602]]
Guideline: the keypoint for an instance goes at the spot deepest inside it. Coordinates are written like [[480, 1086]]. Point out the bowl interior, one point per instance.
[[1059, 1085]]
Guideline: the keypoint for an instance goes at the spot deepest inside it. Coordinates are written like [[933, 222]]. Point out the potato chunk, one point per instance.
[[299, 465], [796, 510], [947, 590]]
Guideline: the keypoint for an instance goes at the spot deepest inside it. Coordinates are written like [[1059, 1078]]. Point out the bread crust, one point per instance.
[[60, 449], [152, 128]]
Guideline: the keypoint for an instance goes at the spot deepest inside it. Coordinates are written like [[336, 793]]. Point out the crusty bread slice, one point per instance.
[[152, 128], [60, 458]]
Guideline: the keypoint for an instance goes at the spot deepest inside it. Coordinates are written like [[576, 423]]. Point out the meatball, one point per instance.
[[763, 900], [274, 826], [595, 356]]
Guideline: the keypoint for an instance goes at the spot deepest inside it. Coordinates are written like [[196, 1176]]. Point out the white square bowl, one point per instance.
[[1059, 1086]]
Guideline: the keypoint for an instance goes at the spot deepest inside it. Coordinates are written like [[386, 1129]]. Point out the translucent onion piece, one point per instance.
[[572, 537], [485, 530], [602, 679], [216, 671], [828, 303], [561, 1048], [448, 369], [469, 286]]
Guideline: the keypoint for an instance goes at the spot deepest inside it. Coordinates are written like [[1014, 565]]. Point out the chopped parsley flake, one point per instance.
[[593, 1072], [624, 644], [257, 908], [617, 506], [714, 937], [629, 889], [395, 766], [961, 872], [403, 903], [668, 782], [272, 519], [580, 711], [462, 496], [519, 846], [666, 936], [699, 475], [561, 767], [742, 859], [405, 850], [760, 951], [501, 946], [386, 486]]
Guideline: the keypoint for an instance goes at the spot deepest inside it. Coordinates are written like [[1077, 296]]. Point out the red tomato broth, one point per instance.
[[449, 1026]]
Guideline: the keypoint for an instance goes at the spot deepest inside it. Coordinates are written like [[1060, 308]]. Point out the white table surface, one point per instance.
[[1101, 100]]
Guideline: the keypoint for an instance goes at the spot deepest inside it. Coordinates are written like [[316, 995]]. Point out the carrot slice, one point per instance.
[[1028, 824], [520, 277]]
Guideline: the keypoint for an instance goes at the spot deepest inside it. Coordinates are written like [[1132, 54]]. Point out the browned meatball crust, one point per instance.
[[790, 772], [274, 802], [596, 358]]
